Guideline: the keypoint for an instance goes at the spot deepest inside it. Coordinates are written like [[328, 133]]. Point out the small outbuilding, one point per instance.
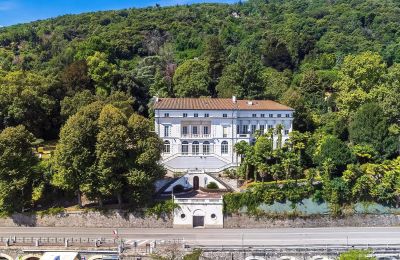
[[199, 210]]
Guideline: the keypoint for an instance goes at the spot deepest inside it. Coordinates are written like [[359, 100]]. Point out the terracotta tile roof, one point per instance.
[[217, 104]]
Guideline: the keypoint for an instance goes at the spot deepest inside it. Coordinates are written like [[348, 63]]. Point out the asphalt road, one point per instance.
[[227, 237]]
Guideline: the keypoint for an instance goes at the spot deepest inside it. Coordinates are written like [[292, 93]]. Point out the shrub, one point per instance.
[[356, 255], [52, 211], [212, 186], [162, 208]]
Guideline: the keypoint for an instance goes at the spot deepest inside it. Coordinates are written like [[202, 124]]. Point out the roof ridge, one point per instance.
[[208, 103]]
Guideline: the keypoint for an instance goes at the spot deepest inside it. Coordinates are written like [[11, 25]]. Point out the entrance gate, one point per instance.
[[198, 221]]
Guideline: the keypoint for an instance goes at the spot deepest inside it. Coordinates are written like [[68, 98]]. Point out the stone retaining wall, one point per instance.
[[243, 221], [135, 220], [87, 219]]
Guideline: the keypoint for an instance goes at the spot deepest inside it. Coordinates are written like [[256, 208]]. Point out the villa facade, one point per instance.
[[199, 134]]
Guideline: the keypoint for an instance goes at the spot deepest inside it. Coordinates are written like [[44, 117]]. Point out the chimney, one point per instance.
[[233, 99], [156, 99], [250, 103]]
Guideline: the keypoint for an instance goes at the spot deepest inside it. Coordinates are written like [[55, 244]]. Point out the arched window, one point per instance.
[[224, 147], [167, 147], [206, 147], [195, 147], [185, 147]]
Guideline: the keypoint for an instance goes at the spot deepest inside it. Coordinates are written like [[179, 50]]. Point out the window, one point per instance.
[[254, 115], [262, 129], [206, 147], [224, 115], [253, 129], [224, 131], [287, 115], [166, 114], [224, 147], [271, 115], [195, 147], [206, 115], [213, 216], [286, 132], [167, 130], [185, 147], [196, 115], [270, 126], [205, 130], [183, 216], [167, 147], [279, 115], [245, 129], [262, 115], [184, 130], [194, 130], [184, 114]]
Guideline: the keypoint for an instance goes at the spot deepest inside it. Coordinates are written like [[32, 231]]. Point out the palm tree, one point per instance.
[[278, 132]]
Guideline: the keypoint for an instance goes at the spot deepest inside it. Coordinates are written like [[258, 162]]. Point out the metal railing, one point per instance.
[[195, 136]]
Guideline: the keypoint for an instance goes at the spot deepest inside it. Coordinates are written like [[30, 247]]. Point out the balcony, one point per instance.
[[195, 136]]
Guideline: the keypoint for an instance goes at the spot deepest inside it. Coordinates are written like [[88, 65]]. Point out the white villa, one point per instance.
[[199, 134]]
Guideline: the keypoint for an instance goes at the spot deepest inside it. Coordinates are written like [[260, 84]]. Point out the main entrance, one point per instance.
[[198, 218], [196, 182], [198, 221]]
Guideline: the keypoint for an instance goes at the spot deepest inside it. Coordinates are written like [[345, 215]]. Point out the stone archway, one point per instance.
[[31, 257], [287, 258], [4, 256], [255, 258], [95, 257], [198, 218]]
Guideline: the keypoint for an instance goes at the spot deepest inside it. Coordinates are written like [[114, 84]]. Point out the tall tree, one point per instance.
[[112, 152], [369, 126], [101, 71], [331, 149], [358, 77], [215, 56], [191, 79], [17, 169], [75, 78], [242, 78], [75, 157]]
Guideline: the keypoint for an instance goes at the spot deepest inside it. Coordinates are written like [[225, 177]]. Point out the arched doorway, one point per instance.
[[31, 257], [196, 182], [198, 218], [5, 257]]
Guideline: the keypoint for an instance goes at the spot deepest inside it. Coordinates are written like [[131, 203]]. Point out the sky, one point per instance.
[[22, 11]]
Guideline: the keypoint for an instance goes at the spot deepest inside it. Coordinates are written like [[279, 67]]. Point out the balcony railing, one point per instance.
[[195, 136]]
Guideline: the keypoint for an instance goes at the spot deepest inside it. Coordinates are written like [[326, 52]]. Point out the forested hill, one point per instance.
[[295, 51], [78, 80]]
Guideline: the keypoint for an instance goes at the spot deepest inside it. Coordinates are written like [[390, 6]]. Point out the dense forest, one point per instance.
[[88, 80]]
